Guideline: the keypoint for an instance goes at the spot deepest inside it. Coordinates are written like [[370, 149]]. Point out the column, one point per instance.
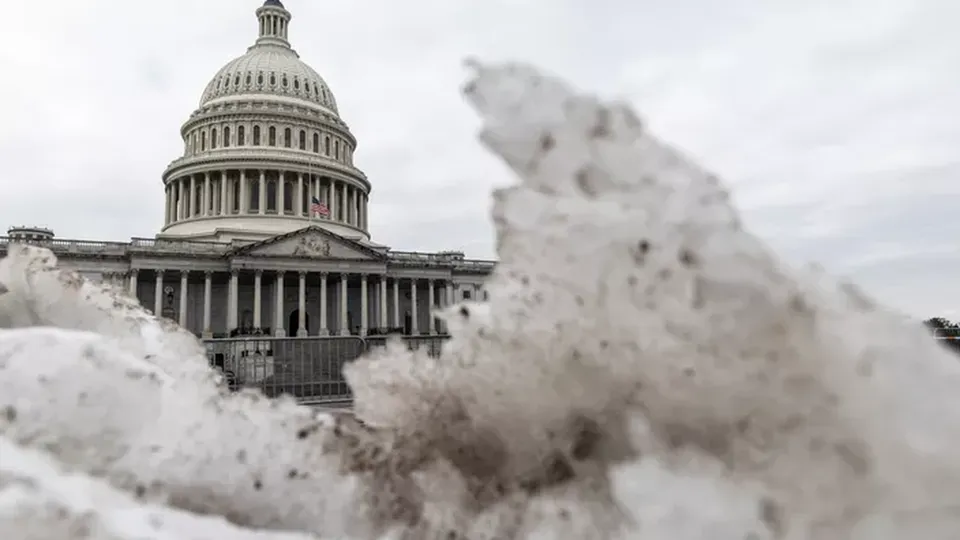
[[193, 196], [207, 293], [184, 283], [298, 208], [331, 198], [414, 323], [258, 299], [166, 208], [262, 203], [223, 194], [158, 294], [278, 310], [244, 197], [383, 301], [206, 195], [302, 305], [279, 194], [431, 301], [232, 303], [133, 283], [396, 303], [344, 331], [323, 305], [343, 201], [364, 305]]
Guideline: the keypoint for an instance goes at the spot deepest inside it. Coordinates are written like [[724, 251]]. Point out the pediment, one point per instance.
[[309, 243]]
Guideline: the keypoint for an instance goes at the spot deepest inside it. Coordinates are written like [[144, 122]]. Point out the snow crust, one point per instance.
[[645, 368]]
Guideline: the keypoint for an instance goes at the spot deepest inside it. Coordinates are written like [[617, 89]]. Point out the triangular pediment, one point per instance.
[[309, 243]]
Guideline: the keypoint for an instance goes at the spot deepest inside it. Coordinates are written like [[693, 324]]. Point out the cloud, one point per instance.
[[834, 121]]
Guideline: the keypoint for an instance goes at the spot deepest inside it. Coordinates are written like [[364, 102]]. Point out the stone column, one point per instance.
[[184, 283], [383, 301], [244, 196], [278, 310], [232, 303], [302, 306], [258, 299], [323, 331], [431, 301], [207, 294], [344, 331], [133, 283], [191, 212], [262, 203], [158, 294], [223, 194], [364, 305], [343, 203], [206, 195], [414, 323], [298, 208], [396, 303], [331, 198], [281, 181]]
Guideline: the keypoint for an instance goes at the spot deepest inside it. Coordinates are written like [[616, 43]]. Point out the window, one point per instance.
[[213, 138], [260, 79], [326, 145], [288, 197], [271, 196], [303, 140], [306, 86], [296, 83], [236, 80], [241, 135], [256, 135], [336, 149], [283, 81], [272, 140], [273, 79], [316, 143], [286, 137], [467, 295], [249, 79], [203, 141], [226, 137]]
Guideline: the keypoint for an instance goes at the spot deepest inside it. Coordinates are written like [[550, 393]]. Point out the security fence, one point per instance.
[[309, 369]]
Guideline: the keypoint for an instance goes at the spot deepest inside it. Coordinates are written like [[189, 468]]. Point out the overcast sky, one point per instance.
[[835, 121]]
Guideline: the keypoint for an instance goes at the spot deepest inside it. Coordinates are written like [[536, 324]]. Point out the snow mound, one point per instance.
[[645, 368]]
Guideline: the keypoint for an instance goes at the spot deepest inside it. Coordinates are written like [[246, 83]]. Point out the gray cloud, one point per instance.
[[833, 121]]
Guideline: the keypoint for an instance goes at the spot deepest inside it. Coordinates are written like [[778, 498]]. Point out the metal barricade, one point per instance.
[[309, 369], [432, 344]]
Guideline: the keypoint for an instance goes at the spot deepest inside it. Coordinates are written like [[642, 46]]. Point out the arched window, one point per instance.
[[326, 145], [241, 135], [303, 140], [336, 149], [226, 136], [286, 137], [316, 143], [272, 140], [296, 83], [203, 141], [249, 79], [283, 81], [213, 138], [256, 135], [259, 79], [273, 79]]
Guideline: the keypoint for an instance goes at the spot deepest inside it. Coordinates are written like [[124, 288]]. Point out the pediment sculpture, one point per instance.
[[312, 246]]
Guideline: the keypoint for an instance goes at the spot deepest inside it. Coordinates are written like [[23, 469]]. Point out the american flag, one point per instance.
[[317, 207]]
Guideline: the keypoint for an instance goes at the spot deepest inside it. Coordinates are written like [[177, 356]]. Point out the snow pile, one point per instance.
[[644, 369]]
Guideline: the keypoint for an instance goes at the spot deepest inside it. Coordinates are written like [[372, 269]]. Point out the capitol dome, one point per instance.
[[266, 151]]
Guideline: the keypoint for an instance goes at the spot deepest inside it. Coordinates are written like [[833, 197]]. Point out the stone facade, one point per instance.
[[265, 228]]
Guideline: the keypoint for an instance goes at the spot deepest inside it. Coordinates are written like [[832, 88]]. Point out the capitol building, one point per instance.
[[265, 229]]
